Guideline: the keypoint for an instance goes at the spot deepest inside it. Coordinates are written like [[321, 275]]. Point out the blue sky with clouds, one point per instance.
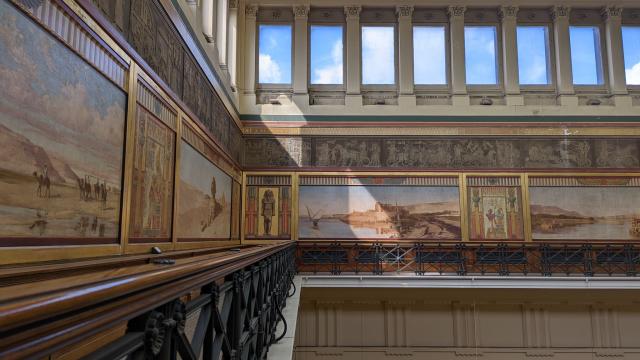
[[532, 55], [378, 54], [585, 55], [274, 59], [429, 55], [480, 55], [326, 54], [631, 46]]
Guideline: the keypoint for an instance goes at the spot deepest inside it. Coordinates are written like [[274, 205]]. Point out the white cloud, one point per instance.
[[536, 73], [269, 70], [633, 75], [378, 55], [332, 73]]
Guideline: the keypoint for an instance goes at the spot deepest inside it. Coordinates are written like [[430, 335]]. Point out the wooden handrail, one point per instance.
[[30, 325]]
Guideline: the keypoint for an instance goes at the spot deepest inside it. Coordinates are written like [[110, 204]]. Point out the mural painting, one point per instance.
[[62, 134], [204, 200], [585, 208], [152, 191], [380, 208], [268, 209], [495, 212]]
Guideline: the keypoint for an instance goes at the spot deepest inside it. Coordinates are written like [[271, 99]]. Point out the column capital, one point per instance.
[[456, 11], [301, 11], [233, 4], [508, 12], [251, 10], [560, 12], [404, 11], [611, 13], [352, 11]]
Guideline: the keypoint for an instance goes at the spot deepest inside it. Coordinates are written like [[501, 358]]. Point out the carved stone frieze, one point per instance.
[[442, 153]]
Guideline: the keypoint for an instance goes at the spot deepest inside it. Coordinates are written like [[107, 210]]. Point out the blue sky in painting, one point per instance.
[[585, 55], [429, 55], [378, 55], [274, 61], [631, 45], [480, 55], [532, 55], [326, 54]]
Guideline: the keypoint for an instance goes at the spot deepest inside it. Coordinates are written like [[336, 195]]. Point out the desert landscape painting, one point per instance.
[[204, 199], [379, 212], [62, 134], [585, 213]]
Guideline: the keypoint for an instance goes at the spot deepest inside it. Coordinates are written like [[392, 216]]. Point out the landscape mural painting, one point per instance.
[[583, 209], [62, 135], [204, 200], [152, 190], [495, 209], [380, 208]]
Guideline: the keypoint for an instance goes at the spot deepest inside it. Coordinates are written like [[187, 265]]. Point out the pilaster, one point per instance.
[[508, 18], [353, 96], [405, 53], [564, 73], [458, 71], [251, 13], [612, 17], [300, 68]]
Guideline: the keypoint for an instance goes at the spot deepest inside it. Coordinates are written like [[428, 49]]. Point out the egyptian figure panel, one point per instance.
[[60, 169], [152, 188], [495, 208], [268, 207], [585, 208], [362, 208], [204, 198]]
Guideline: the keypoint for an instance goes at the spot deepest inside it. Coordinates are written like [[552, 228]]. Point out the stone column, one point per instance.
[[300, 51], [459, 95], [510, 55], [405, 55], [232, 42], [221, 34], [564, 75], [353, 97], [251, 12], [207, 20], [612, 17]]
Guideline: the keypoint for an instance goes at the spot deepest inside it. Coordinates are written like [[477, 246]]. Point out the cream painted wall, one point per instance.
[[468, 323]]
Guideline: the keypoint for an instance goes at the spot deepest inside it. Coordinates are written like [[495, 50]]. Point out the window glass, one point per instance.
[[274, 59], [533, 55], [378, 55], [586, 62], [326, 54], [429, 55], [480, 55], [631, 46]]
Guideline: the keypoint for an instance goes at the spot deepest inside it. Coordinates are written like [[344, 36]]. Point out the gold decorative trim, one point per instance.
[[157, 106]]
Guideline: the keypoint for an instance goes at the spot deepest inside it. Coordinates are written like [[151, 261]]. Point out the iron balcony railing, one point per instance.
[[547, 259], [237, 296]]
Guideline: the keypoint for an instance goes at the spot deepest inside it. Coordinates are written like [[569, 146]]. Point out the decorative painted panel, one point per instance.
[[268, 207], [152, 188], [585, 208], [60, 169], [205, 200], [495, 208], [362, 208]]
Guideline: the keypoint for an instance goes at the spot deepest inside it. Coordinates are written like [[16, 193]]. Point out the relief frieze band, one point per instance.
[[441, 153]]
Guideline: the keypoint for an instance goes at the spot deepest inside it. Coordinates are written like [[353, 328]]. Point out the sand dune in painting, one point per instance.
[[62, 133]]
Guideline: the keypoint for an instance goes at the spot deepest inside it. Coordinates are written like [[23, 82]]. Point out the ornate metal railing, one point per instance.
[[233, 302], [547, 259]]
